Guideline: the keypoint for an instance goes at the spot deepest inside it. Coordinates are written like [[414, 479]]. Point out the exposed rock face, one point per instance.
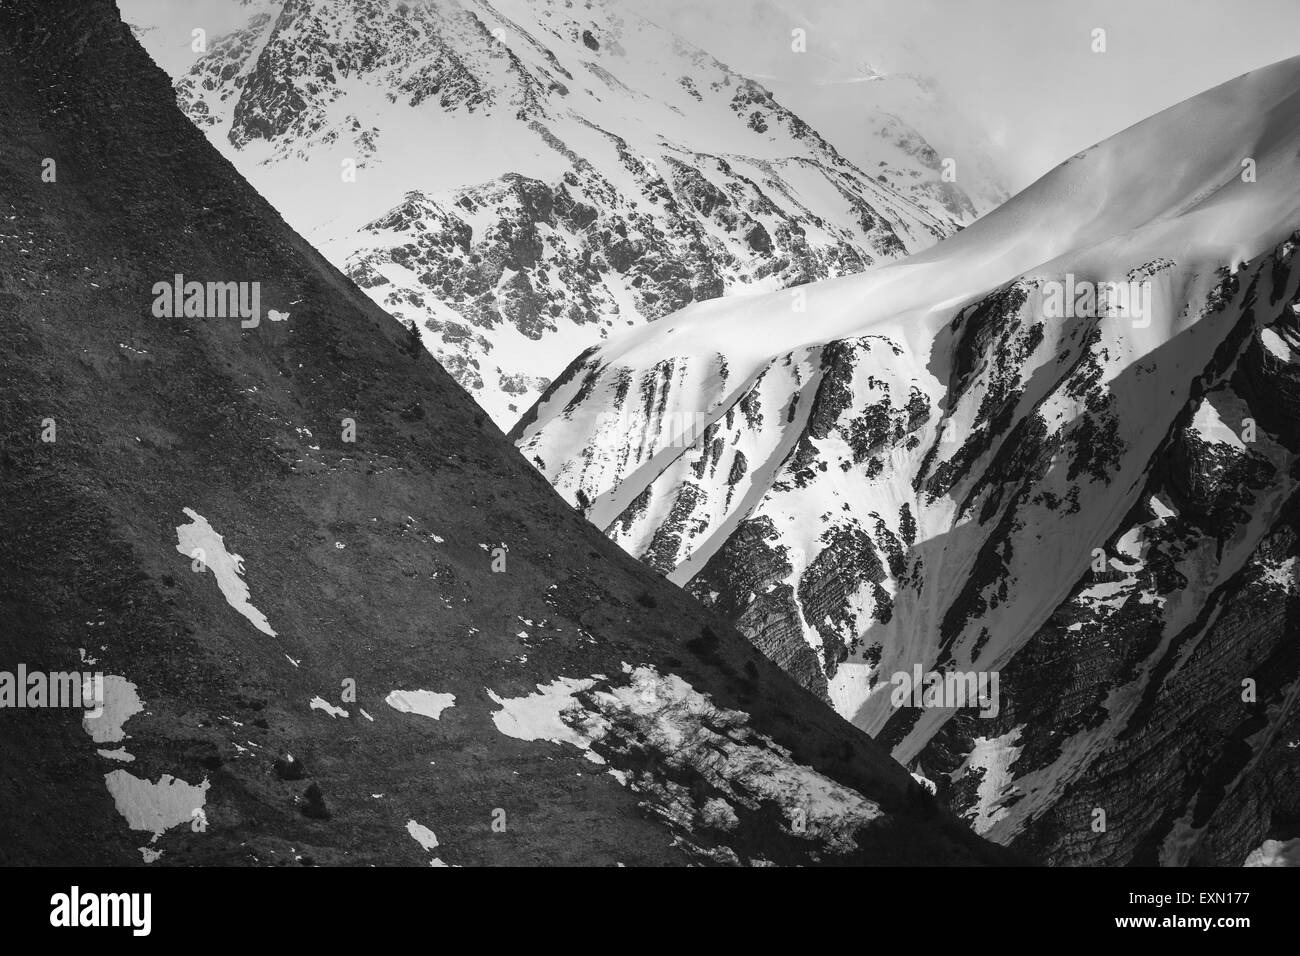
[[1128, 711], [749, 577], [946, 474], [343, 621], [521, 179]]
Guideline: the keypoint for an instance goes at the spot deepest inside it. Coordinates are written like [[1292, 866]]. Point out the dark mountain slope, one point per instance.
[[371, 561]]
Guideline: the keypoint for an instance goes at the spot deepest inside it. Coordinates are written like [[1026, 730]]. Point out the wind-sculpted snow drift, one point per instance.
[[387, 567], [1060, 446], [521, 178]]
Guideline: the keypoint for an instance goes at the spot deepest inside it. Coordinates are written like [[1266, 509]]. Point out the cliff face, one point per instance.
[[1150, 718], [338, 619], [1058, 449]]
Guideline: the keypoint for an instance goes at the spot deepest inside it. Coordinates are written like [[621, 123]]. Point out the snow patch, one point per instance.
[[121, 702], [427, 703], [155, 806], [320, 703], [994, 756], [665, 717], [422, 835], [198, 540], [1282, 574], [1275, 853], [537, 716], [1207, 423], [1274, 343]]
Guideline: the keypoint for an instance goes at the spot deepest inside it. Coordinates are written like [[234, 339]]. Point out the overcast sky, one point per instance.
[[1022, 70]]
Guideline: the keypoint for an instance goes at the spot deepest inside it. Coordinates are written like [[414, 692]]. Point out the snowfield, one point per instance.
[[919, 465], [523, 178]]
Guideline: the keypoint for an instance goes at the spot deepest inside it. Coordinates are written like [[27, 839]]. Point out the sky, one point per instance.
[[1021, 71], [1019, 78]]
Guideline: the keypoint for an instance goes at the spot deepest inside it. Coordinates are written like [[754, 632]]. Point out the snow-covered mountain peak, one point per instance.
[[1161, 185], [1022, 445], [654, 175]]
